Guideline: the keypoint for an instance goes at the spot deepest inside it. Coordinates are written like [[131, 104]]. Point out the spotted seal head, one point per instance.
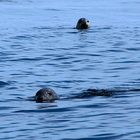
[[46, 95], [82, 23]]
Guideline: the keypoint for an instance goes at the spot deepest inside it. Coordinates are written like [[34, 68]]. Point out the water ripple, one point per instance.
[[40, 47], [3, 84], [45, 110]]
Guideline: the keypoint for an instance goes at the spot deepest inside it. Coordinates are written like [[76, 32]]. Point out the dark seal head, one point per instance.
[[82, 23], [46, 95]]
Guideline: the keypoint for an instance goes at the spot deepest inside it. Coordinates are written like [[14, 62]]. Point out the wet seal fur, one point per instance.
[[82, 23], [46, 95]]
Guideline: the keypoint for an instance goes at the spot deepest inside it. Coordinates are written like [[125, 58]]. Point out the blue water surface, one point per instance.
[[40, 47]]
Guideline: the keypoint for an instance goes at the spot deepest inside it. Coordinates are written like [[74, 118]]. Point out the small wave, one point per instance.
[[28, 59], [3, 84], [45, 109], [108, 136], [23, 37], [52, 9], [6, 1], [120, 43], [6, 108], [100, 29]]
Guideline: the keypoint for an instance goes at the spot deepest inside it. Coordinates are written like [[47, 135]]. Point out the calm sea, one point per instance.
[[40, 47]]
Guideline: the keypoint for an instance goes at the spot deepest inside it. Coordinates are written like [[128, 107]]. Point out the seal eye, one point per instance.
[[49, 93], [87, 20]]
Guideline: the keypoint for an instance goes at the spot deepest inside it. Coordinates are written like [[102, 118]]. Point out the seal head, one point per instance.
[[46, 95], [82, 23]]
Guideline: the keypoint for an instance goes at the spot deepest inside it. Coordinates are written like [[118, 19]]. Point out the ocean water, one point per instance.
[[40, 47]]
